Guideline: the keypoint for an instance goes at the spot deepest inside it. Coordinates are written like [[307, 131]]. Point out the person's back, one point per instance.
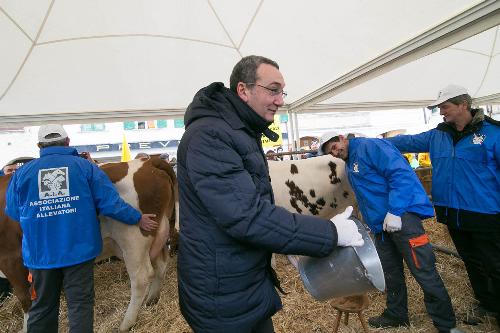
[[56, 199], [60, 191]]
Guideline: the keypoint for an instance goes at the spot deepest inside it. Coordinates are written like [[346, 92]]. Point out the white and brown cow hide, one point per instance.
[[149, 185], [314, 186]]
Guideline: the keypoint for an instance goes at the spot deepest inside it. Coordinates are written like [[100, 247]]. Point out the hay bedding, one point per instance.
[[300, 313]]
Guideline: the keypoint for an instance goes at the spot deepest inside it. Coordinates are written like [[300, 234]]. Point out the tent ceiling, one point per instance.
[[85, 60], [473, 63]]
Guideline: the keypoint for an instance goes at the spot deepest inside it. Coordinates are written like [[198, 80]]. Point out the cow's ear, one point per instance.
[[242, 91]]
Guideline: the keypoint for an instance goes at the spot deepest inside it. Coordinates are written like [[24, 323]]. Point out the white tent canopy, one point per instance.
[[85, 60]]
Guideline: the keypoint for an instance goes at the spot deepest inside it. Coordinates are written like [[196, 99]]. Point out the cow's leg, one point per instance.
[[17, 275], [160, 264], [135, 249]]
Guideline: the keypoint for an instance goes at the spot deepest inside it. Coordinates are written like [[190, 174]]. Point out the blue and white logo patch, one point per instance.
[[478, 139], [355, 167], [53, 183]]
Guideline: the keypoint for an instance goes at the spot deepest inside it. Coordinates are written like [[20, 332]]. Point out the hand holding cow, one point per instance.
[[392, 223], [347, 230], [147, 223]]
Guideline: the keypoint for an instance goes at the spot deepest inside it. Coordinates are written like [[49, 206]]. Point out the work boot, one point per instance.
[[386, 320]]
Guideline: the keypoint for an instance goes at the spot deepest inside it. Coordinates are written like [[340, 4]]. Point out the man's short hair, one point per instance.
[[60, 142], [460, 99], [246, 70]]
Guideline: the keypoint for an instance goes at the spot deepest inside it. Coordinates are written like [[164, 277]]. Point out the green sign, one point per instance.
[[283, 118]]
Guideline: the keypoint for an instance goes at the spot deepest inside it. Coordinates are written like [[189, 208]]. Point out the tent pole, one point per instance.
[[290, 126], [296, 133]]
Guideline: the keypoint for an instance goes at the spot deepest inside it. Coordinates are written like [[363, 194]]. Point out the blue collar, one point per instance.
[[58, 150]]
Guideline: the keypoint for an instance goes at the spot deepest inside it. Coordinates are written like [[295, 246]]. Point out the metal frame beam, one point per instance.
[[89, 117]]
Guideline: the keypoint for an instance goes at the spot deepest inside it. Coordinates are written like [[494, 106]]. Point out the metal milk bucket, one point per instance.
[[346, 271]]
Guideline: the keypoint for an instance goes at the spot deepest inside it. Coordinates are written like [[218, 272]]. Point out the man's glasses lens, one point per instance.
[[272, 91]]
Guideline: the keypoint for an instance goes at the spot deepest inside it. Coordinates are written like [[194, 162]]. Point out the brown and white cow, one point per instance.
[[149, 185]]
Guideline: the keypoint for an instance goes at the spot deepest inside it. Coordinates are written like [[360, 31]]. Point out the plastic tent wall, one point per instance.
[[84, 60]]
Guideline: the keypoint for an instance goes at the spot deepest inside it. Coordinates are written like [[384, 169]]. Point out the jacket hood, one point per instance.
[[218, 101]]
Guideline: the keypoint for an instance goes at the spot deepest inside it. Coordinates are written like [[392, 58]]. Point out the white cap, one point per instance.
[[324, 139], [448, 92], [46, 130]]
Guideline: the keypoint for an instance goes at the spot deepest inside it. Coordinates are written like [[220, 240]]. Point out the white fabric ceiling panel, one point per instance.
[[315, 42], [13, 51], [491, 84], [419, 80], [465, 63], [28, 14], [103, 75], [119, 56], [236, 16], [482, 43], [191, 19]]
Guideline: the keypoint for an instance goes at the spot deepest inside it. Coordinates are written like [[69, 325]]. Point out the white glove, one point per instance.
[[347, 230], [392, 223]]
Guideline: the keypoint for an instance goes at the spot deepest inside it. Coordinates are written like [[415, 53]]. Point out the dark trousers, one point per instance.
[[265, 326], [395, 247], [78, 285], [480, 252]]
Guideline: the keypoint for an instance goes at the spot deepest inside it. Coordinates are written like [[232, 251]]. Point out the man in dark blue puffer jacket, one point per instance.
[[229, 225]]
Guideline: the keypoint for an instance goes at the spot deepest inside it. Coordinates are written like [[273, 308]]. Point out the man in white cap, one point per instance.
[[393, 204], [465, 155], [57, 198]]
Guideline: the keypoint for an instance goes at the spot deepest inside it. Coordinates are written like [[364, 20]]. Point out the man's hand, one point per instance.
[[347, 230], [392, 223], [146, 222]]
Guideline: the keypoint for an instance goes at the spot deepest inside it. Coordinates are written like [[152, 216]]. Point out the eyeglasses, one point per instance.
[[272, 91]]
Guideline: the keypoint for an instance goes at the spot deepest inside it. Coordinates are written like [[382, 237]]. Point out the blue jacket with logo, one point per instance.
[[57, 198], [465, 165], [384, 182]]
